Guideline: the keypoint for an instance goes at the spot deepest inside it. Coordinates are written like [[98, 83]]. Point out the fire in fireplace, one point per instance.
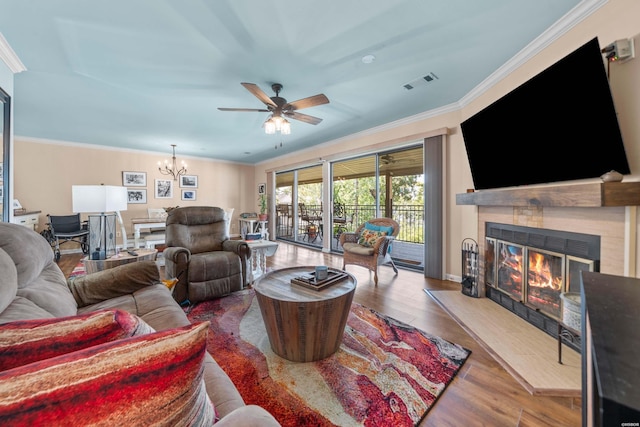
[[510, 269], [545, 280], [533, 267]]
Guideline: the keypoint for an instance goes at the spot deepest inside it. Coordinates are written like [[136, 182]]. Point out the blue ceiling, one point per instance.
[[145, 74]]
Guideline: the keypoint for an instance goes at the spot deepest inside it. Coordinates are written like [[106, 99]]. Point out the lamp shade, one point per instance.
[[98, 198]]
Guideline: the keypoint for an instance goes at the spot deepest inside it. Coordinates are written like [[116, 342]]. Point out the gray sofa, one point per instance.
[[34, 287]]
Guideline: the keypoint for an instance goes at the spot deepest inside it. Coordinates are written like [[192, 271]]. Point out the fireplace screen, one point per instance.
[[575, 266], [510, 269], [545, 272], [535, 266], [490, 261]]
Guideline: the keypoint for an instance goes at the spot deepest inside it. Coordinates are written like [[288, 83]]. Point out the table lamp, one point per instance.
[[100, 199]]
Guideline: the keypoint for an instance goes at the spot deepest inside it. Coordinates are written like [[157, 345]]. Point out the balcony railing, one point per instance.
[[409, 217]]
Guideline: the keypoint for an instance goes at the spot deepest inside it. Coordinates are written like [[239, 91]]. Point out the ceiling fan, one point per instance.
[[280, 108]]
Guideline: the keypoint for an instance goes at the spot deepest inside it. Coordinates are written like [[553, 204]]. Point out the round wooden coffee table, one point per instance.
[[303, 324]]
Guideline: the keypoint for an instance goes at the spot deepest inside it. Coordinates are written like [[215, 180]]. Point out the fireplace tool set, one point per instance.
[[470, 267]]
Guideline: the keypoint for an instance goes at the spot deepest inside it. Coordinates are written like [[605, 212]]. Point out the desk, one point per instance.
[[140, 223], [260, 250], [253, 225], [94, 265]]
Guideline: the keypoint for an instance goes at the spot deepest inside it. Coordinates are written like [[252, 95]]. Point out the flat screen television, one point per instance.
[[559, 126]]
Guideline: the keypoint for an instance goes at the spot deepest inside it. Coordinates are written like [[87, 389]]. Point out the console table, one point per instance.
[[29, 219]]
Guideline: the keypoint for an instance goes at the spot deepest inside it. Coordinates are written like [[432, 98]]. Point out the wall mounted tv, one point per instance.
[[559, 126]]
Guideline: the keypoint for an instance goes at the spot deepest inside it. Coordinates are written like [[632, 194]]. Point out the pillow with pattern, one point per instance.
[[27, 341], [153, 379], [368, 238]]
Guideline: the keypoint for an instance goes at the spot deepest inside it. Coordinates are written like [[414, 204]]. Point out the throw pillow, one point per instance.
[[26, 341], [374, 227], [153, 379], [369, 238], [388, 229]]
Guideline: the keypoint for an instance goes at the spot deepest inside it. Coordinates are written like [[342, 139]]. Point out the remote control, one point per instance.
[[132, 253]]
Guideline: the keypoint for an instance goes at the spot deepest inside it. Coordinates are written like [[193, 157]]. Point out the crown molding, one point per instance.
[[9, 57]]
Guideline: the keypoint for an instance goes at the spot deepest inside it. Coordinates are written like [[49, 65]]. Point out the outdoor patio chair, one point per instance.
[[312, 222], [370, 244], [341, 221]]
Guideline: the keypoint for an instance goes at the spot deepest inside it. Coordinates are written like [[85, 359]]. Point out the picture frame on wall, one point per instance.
[[262, 188], [189, 195], [134, 179], [189, 181], [163, 189], [137, 195]]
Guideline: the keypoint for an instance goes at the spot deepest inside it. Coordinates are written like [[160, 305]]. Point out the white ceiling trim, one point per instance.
[[152, 164], [9, 57]]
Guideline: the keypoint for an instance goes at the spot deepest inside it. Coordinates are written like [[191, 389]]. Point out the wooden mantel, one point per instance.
[[577, 195]]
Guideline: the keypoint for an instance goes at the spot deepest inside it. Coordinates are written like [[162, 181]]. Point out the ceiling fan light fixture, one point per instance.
[[269, 126], [285, 127], [279, 107], [278, 121]]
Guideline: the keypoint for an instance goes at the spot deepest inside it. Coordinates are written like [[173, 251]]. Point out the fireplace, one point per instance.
[[527, 269]]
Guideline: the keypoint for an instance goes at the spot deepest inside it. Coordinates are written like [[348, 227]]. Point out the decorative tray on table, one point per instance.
[[308, 280]]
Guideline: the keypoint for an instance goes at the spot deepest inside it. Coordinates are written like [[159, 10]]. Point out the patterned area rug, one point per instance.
[[386, 373], [78, 270]]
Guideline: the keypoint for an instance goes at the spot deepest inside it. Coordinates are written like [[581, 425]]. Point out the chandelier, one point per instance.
[[172, 169], [277, 123]]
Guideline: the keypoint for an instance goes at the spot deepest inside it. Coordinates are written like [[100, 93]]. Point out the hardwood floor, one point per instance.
[[483, 393]]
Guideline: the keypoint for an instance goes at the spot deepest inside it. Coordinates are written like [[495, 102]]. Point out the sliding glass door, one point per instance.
[[299, 206], [385, 184], [354, 189]]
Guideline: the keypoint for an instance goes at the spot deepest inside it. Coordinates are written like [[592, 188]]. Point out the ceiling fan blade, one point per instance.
[[261, 110], [303, 117], [258, 93], [311, 101]]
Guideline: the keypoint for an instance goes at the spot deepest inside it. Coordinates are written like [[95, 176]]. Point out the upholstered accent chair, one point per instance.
[[201, 256], [369, 245]]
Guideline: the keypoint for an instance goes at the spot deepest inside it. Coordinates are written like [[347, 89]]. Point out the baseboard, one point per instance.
[[453, 278]]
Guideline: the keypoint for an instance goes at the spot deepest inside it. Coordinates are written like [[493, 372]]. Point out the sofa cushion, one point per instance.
[[357, 249], [9, 286], [38, 277], [153, 304], [149, 379], [28, 341]]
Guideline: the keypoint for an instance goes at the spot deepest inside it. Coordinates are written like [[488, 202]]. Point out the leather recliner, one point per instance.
[[201, 256]]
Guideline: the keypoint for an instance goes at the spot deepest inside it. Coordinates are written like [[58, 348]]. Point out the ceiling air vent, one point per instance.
[[420, 81]]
